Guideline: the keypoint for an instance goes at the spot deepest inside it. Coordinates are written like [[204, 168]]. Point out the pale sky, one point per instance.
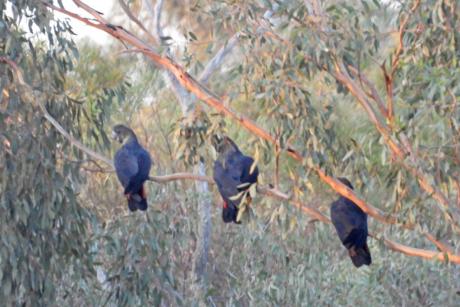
[[81, 29]]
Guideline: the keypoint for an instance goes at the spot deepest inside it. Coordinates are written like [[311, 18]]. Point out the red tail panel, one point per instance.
[[143, 192]]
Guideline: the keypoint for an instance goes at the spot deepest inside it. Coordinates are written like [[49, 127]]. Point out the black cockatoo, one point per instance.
[[132, 164], [232, 173], [351, 225]]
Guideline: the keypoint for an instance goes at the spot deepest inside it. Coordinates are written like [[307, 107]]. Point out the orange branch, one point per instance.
[[389, 88], [389, 78], [441, 246], [422, 253], [341, 75], [373, 91], [131, 16], [402, 29], [348, 193]]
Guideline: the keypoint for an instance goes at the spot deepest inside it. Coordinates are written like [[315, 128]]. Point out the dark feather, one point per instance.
[[132, 165], [350, 223], [231, 171], [360, 256]]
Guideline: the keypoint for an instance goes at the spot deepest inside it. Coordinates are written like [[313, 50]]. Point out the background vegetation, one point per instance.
[[363, 89]]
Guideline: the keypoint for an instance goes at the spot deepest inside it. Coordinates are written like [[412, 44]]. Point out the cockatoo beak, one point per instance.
[[116, 137]]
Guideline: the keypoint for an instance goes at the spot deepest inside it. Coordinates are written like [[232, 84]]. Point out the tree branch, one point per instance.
[[341, 75], [156, 14], [421, 253], [373, 91], [90, 10], [218, 58], [441, 246], [389, 89], [131, 16], [402, 30], [394, 65]]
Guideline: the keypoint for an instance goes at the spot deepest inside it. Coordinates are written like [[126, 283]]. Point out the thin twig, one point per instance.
[[131, 16], [441, 246], [373, 91], [389, 77]]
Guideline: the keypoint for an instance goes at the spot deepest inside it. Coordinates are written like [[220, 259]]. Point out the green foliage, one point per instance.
[[67, 237], [43, 225], [99, 86]]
